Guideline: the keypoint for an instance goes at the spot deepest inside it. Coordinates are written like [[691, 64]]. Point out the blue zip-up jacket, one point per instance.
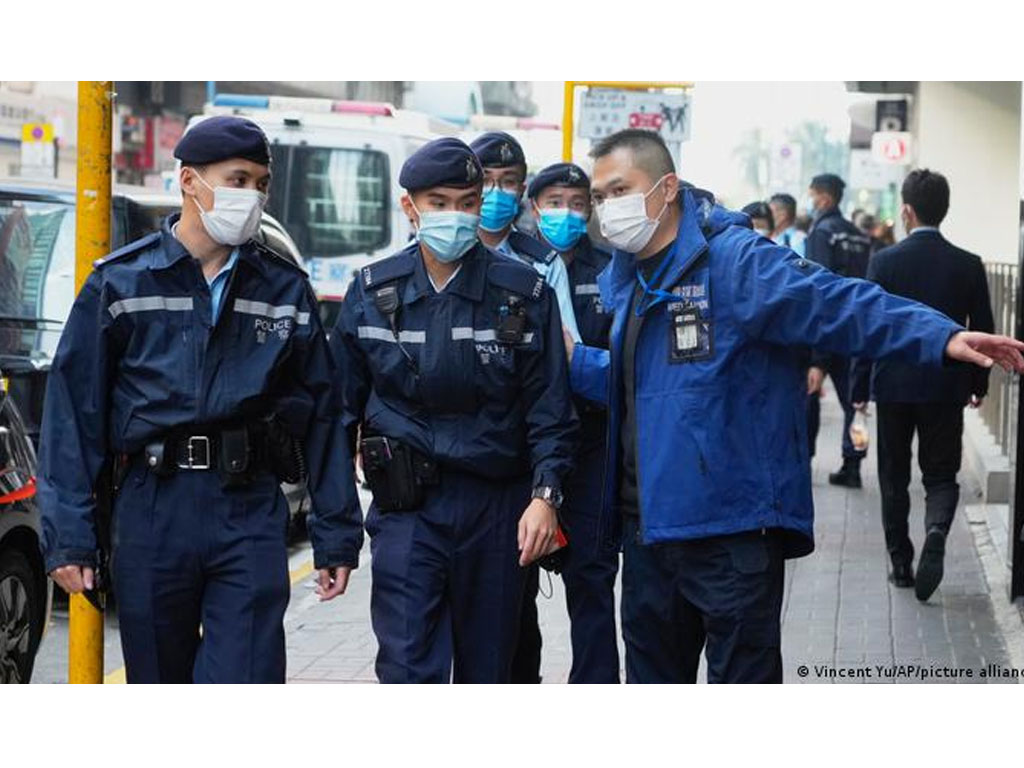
[[140, 355], [721, 427]]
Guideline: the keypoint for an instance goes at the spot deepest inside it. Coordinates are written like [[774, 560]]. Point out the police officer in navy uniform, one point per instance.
[[560, 196], [457, 386], [836, 244], [195, 362], [504, 165]]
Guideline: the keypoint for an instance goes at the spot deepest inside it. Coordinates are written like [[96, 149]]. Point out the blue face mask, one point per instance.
[[499, 209], [448, 234], [561, 227]]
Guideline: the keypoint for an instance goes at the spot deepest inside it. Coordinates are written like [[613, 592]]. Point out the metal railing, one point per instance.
[[1000, 407]]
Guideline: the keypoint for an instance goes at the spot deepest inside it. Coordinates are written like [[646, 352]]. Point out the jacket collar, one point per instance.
[[825, 214], [469, 282], [172, 251], [584, 252], [689, 244]]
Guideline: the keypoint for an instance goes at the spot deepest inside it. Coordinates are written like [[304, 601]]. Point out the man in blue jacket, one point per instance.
[[707, 483], [194, 360]]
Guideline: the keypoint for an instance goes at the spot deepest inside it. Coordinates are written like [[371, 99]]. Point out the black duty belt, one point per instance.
[[238, 451]]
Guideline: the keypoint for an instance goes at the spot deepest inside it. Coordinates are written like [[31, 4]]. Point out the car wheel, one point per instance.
[[19, 601]]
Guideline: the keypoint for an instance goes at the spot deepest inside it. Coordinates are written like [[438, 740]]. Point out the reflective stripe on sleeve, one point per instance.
[[150, 304]]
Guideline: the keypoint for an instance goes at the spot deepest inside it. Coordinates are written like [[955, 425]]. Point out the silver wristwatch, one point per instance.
[[552, 496]]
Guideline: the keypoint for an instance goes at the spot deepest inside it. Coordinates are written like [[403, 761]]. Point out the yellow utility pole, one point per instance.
[[569, 104], [92, 241]]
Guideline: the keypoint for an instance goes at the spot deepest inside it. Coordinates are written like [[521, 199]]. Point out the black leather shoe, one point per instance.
[[902, 575], [929, 567], [848, 476]]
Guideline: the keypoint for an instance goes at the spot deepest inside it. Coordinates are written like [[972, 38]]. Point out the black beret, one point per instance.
[[498, 150], [558, 175], [223, 137], [443, 162]]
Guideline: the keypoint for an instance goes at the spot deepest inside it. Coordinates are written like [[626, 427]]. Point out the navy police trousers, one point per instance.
[[189, 554], [447, 586], [722, 592]]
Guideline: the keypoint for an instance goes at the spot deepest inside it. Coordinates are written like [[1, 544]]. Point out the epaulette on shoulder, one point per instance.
[[386, 270], [531, 247], [129, 250], [277, 257], [518, 278]]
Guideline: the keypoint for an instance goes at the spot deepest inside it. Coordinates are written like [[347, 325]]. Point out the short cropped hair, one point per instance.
[[830, 184], [760, 210], [788, 203], [649, 151], [927, 193]]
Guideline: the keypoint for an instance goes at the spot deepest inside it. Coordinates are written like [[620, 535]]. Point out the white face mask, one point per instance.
[[624, 221], [235, 217]]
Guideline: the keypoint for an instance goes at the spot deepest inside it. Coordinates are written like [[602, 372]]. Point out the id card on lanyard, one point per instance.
[[689, 326]]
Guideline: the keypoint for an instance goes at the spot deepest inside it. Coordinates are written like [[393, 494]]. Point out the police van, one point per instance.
[[335, 177]]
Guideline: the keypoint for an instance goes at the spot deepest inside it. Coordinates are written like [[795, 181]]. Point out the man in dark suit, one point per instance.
[[928, 268]]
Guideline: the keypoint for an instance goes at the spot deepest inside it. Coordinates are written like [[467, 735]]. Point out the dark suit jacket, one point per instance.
[[928, 268]]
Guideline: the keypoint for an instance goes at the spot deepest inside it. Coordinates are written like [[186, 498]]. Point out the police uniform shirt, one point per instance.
[[219, 282], [433, 374]]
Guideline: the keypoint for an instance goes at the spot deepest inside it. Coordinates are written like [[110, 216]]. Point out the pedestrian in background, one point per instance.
[[760, 218], [929, 402], [786, 232], [836, 244]]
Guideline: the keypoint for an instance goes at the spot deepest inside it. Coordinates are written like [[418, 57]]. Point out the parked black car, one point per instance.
[[24, 589]]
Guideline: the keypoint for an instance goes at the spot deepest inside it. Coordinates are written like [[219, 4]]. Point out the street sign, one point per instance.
[[786, 166], [38, 150], [867, 172], [893, 148], [606, 110]]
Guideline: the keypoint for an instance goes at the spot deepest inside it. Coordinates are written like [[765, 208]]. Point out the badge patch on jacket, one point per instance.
[[690, 336], [266, 328]]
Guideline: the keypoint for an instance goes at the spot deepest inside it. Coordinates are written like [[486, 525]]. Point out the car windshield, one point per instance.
[[37, 274], [333, 202]]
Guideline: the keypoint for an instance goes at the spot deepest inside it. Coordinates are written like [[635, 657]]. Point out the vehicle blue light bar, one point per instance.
[[241, 100]]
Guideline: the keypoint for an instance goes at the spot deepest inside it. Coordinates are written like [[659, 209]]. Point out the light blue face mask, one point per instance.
[[448, 234], [561, 227], [499, 210]]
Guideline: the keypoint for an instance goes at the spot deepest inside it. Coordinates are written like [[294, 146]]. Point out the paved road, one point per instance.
[[840, 616]]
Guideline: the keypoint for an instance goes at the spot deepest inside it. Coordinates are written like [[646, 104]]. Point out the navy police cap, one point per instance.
[[498, 150], [223, 137], [445, 162], [558, 175]]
